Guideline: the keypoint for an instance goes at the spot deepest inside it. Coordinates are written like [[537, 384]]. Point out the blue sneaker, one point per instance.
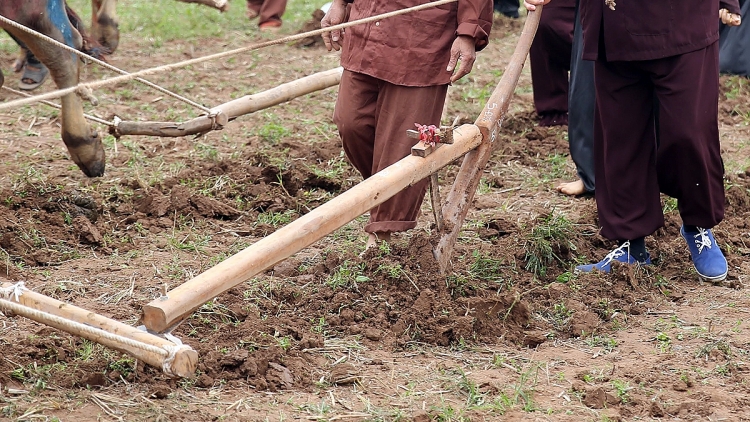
[[621, 254], [708, 260]]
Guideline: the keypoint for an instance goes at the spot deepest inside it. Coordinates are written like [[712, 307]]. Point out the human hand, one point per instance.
[[462, 48], [729, 18], [532, 4], [336, 15]]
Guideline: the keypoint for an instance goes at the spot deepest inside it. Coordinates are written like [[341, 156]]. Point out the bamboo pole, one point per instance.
[[220, 114], [462, 193], [164, 313], [150, 348]]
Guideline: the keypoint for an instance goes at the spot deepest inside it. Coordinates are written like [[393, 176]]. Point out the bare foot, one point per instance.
[[251, 13], [373, 238], [572, 188]]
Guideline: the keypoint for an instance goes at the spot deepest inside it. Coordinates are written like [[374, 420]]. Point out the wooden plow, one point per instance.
[[474, 142]]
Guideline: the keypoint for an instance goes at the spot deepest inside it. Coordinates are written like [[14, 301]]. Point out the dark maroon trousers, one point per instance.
[[550, 62], [675, 100], [373, 116], [268, 10]]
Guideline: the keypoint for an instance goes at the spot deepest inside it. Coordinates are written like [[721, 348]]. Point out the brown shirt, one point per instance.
[[412, 49]]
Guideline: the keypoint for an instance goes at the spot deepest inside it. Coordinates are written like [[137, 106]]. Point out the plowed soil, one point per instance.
[[508, 333]]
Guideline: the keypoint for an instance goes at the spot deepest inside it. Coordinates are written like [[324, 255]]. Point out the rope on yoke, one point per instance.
[[164, 68], [59, 107], [103, 64], [15, 290], [10, 301]]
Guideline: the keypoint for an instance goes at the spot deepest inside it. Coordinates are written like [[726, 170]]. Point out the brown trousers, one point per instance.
[[550, 62], [268, 10], [372, 117], [656, 130]]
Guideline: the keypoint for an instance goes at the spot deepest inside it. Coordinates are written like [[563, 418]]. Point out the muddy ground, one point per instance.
[[509, 333]]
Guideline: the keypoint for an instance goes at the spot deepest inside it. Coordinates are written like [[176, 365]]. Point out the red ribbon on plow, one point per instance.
[[428, 134]]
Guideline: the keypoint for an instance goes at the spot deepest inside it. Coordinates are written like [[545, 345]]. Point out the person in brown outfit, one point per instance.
[[581, 101], [268, 12], [396, 74], [656, 73], [550, 62]]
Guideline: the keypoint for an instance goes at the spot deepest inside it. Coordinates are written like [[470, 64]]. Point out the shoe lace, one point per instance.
[[620, 251], [702, 239]]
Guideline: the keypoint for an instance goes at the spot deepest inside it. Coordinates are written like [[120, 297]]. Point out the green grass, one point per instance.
[[332, 169], [554, 167], [484, 267], [274, 131], [736, 86], [275, 219], [347, 274], [548, 236]]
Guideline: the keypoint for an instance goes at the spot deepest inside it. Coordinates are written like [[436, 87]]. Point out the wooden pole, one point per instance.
[[221, 114], [39, 307], [462, 194], [164, 313], [437, 206]]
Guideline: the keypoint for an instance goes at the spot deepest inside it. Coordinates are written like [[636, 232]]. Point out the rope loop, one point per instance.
[[115, 128], [15, 291], [87, 94], [171, 350], [214, 124], [166, 366]]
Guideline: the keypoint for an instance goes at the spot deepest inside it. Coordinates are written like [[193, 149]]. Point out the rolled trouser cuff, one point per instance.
[[390, 226]]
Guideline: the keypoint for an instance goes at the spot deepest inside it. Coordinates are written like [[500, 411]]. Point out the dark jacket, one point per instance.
[[649, 29]]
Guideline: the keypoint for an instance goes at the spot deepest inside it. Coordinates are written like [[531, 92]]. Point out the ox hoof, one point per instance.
[[86, 152], [93, 170]]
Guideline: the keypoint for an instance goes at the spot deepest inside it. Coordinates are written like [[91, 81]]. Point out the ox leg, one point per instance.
[[83, 143], [104, 24]]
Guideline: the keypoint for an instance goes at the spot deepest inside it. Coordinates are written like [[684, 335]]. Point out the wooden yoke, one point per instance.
[[164, 313], [144, 346], [462, 194]]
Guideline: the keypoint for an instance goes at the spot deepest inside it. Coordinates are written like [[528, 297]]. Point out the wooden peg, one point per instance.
[[422, 149]]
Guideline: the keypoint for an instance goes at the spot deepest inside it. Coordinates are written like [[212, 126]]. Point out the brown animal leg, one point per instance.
[[20, 60], [104, 24], [83, 143]]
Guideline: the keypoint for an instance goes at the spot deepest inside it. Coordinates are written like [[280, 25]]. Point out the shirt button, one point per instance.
[[377, 23]]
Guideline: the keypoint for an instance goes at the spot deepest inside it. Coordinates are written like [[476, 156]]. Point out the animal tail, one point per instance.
[[90, 45]]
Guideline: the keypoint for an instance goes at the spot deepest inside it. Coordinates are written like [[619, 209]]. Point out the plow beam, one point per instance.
[[174, 359], [221, 114], [166, 312], [461, 195]]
